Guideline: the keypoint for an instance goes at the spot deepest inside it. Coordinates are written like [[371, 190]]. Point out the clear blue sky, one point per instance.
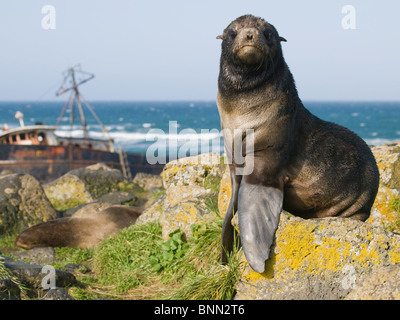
[[166, 50]]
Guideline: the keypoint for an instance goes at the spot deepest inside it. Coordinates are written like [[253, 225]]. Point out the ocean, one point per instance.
[[136, 126]]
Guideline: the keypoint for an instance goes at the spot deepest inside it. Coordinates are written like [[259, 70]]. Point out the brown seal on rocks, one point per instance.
[[307, 166], [83, 232]]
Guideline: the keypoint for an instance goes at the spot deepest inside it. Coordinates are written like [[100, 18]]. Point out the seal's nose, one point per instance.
[[247, 36]]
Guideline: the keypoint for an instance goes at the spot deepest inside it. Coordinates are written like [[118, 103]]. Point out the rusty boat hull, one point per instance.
[[47, 163]]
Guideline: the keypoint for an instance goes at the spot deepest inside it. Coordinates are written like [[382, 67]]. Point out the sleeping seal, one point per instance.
[[78, 231], [309, 167]]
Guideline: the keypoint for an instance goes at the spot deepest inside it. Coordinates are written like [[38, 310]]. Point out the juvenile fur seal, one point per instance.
[[309, 167], [83, 232]]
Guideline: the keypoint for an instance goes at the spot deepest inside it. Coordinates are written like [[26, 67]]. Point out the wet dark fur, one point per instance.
[[84, 232], [234, 77], [322, 169]]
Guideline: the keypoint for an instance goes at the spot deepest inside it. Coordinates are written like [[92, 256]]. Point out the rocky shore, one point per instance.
[[24, 202], [331, 258]]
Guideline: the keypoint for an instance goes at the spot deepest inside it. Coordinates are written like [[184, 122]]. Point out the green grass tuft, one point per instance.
[[123, 261], [7, 274], [67, 255], [213, 184], [395, 205], [64, 205], [201, 274], [125, 264], [7, 242]]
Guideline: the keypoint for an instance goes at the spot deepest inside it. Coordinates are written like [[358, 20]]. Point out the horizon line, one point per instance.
[[33, 101]]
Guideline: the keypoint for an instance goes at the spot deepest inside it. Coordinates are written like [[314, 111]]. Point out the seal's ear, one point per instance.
[[282, 39], [219, 37]]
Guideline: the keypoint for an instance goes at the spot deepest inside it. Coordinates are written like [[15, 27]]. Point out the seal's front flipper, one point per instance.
[[259, 209], [228, 232]]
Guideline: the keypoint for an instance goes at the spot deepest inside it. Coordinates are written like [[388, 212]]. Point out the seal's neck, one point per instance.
[[277, 79], [235, 78]]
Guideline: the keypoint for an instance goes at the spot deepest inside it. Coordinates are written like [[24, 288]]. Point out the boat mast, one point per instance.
[[75, 95], [78, 102], [70, 75]]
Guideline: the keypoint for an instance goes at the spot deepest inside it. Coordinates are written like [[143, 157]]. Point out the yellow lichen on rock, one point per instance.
[[178, 194], [225, 192], [68, 188], [188, 191], [382, 213], [387, 158], [339, 251], [23, 203], [295, 243], [182, 216], [191, 171], [394, 252]]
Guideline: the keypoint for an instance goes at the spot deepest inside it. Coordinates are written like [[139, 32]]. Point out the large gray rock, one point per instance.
[[180, 207], [37, 280], [189, 188], [99, 179], [34, 275], [41, 256], [320, 259], [84, 185], [57, 294], [382, 284], [23, 203], [192, 171], [148, 181]]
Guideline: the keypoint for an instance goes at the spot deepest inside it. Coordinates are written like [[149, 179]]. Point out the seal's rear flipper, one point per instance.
[[259, 209]]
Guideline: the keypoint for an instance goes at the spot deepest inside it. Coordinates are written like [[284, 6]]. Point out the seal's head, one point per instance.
[[251, 51]]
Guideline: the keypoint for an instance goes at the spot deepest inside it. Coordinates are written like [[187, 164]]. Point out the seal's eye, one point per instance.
[[232, 33], [268, 34]]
